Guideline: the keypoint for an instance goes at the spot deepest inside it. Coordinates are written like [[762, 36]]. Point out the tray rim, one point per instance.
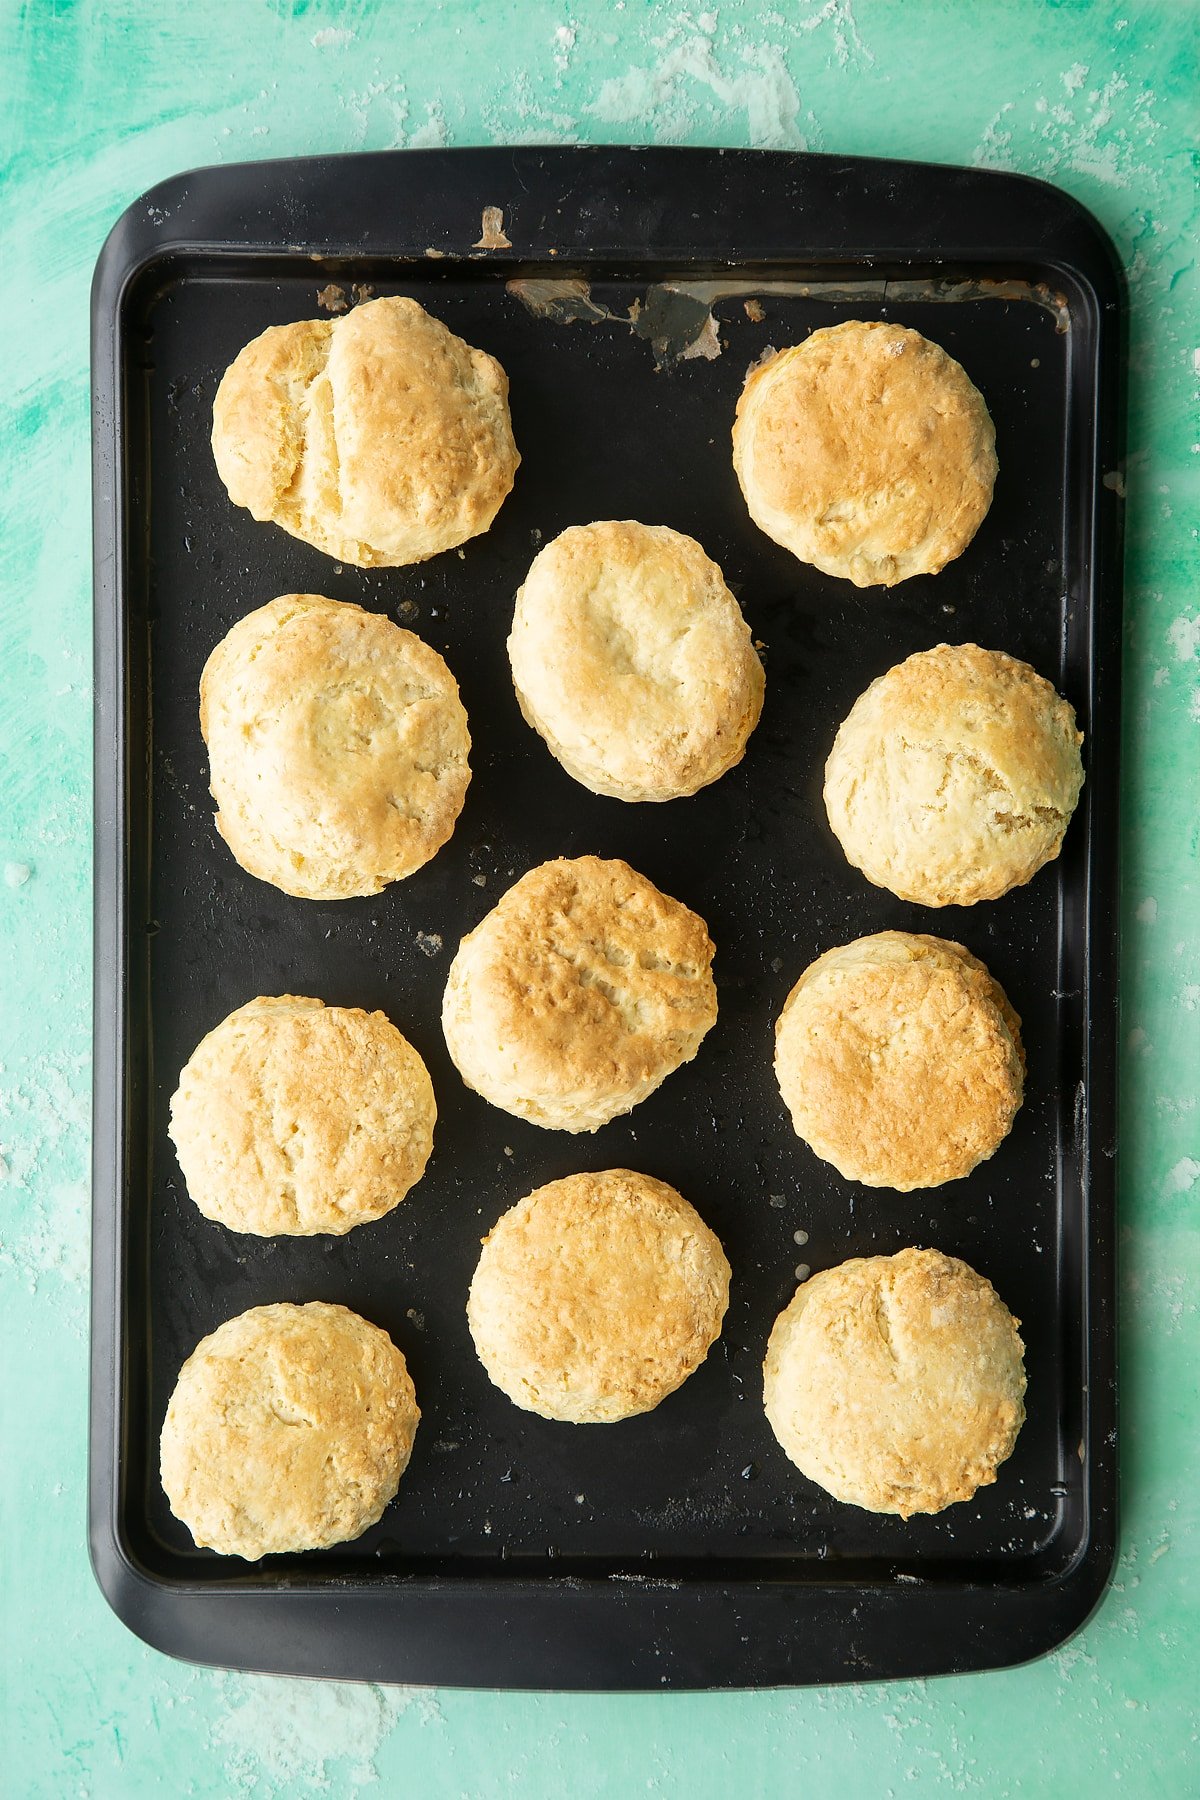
[[586, 1632]]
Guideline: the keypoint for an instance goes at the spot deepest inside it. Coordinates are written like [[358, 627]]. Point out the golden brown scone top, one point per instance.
[[954, 776], [381, 437], [293, 1118], [897, 1382], [597, 1296], [337, 746], [632, 659], [866, 451], [900, 1060], [578, 993], [289, 1429]]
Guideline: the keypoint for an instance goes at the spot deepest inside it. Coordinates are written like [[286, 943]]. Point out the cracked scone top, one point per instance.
[[578, 994], [954, 776], [597, 1296], [900, 1060], [896, 1383], [631, 658], [379, 438], [866, 451], [337, 747], [293, 1118], [289, 1429]]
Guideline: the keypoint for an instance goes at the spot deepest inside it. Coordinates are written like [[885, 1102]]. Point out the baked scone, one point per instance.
[[866, 451], [954, 776], [578, 994], [289, 1429], [900, 1060], [379, 438], [597, 1296], [337, 747], [632, 659], [293, 1118], [896, 1383]]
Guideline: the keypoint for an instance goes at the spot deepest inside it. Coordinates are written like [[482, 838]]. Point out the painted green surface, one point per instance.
[[100, 99]]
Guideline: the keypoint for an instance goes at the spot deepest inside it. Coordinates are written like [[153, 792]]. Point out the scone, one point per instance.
[[900, 1060], [337, 747], [597, 1296], [896, 1383], [289, 1429], [293, 1118], [379, 438], [954, 776], [578, 994], [866, 451], [632, 659]]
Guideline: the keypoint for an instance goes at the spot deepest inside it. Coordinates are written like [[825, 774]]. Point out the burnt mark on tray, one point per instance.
[[677, 318], [677, 323]]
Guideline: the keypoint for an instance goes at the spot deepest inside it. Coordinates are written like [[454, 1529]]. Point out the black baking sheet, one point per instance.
[[679, 1548]]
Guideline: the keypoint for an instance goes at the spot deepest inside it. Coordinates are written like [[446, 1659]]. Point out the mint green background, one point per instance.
[[100, 101]]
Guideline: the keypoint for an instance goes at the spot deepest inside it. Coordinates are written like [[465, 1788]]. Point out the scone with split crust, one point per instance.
[[289, 1429], [380, 438], [597, 1296], [578, 994], [953, 778], [631, 658], [896, 1383], [337, 747], [866, 451], [292, 1118], [900, 1060]]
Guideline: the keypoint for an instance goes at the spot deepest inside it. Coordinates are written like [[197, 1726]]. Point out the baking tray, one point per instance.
[[679, 1549]]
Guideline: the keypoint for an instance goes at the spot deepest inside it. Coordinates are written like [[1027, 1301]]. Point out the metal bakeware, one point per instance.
[[679, 1549]]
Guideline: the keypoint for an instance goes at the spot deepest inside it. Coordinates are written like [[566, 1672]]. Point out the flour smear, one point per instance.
[[282, 1737], [694, 78]]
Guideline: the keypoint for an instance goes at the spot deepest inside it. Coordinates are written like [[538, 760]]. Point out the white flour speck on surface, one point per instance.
[[1139, 1042], [1183, 635], [380, 114], [1077, 136], [280, 1737], [16, 874], [1183, 1177], [1189, 997], [848, 45], [433, 134], [696, 67], [1147, 910], [333, 37], [992, 150], [50, 1235], [44, 1126]]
